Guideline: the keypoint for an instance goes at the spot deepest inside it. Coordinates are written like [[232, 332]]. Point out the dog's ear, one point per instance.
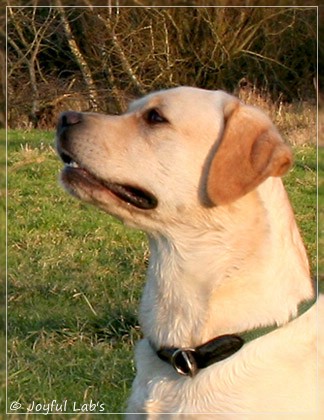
[[249, 151]]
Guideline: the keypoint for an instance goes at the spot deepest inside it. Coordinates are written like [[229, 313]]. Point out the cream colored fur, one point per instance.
[[225, 254]]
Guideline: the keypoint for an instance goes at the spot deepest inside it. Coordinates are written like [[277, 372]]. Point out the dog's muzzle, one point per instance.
[[77, 173]]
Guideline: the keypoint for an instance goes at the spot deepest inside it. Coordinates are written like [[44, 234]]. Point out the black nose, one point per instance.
[[65, 123], [69, 118]]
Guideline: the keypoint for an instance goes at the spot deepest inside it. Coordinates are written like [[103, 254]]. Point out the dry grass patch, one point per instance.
[[296, 121]]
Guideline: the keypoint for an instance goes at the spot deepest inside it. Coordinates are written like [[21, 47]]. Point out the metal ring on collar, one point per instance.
[[184, 362]]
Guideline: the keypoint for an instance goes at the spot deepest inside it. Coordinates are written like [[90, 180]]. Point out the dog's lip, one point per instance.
[[75, 173]]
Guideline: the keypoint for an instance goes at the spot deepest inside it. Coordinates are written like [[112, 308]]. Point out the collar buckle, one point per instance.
[[183, 360]]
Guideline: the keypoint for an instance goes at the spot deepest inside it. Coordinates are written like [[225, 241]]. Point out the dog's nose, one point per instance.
[[69, 118], [66, 121]]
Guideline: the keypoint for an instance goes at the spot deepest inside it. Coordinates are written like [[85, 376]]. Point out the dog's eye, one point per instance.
[[154, 117]]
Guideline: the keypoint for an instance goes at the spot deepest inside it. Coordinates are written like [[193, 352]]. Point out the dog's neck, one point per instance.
[[224, 275]]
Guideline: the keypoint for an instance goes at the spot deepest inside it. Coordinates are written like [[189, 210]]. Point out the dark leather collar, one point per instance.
[[187, 361]]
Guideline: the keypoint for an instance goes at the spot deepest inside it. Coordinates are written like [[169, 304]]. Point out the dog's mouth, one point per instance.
[[74, 175]]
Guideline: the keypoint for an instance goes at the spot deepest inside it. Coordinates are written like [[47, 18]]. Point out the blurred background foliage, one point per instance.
[[98, 58]]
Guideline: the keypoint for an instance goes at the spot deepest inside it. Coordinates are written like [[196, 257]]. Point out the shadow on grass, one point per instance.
[[112, 328]]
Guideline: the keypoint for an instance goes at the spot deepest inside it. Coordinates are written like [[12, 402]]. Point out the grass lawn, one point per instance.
[[321, 218], [75, 277], [2, 270]]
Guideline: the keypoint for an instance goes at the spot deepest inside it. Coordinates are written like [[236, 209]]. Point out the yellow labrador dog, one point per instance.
[[228, 312]]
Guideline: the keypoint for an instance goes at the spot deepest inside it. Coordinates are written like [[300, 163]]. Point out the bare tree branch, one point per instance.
[[122, 56], [79, 58]]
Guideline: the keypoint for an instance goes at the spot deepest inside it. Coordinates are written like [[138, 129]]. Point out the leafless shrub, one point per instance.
[[104, 56]]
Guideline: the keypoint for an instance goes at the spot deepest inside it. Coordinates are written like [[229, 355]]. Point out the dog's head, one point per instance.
[[171, 153]]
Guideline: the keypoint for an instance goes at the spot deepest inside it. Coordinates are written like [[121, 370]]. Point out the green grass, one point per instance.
[[2, 269], [75, 276], [74, 280], [321, 218], [301, 185]]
